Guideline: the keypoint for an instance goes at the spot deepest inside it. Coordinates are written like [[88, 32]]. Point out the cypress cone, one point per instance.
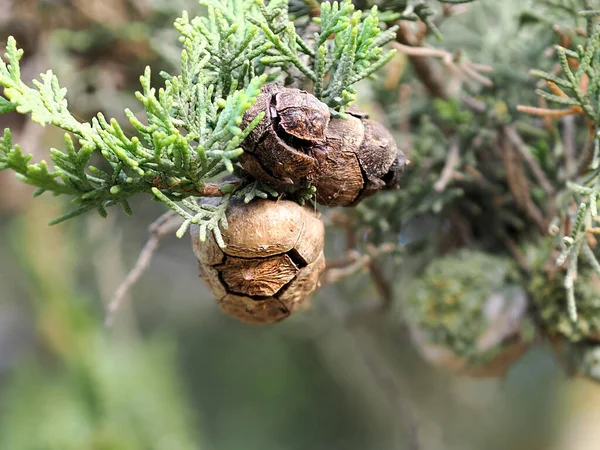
[[271, 263], [297, 142]]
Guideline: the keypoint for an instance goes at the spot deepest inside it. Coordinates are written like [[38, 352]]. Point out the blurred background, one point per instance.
[[176, 373]]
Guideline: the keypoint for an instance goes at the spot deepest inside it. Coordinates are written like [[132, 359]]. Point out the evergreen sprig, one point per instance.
[[191, 134], [577, 88], [191, 131], [346, 49]]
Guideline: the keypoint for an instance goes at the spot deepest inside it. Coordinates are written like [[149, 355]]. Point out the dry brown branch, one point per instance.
[[165, 224], [452, 161], [519, 186], [466, 70], [405, 94], [546, 112], [208, 190], [548, 121], [338, 270], [383, 286], [473, 71], [513, 248], [106, 239], [355, 262], [569, 136], [214, 190], [585, 157], [446, 57], [476, 105], [424, 67], [511, 133]]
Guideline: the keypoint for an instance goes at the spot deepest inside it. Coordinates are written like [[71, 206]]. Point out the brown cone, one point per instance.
[[277, 150], [345, 159], [271, 263]]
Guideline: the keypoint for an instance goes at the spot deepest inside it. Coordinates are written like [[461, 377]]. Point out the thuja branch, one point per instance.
[[190, 134], [191, 130], [346, 49], [575, 90]]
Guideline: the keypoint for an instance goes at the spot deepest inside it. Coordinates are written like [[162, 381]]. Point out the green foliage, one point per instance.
[[449, 302], [550, 299], [428, 186], [345, 49], [576, 91], [389, 212], [190, 132], [6, 106], [256, 189]]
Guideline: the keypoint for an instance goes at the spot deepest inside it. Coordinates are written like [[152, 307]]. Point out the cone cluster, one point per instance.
[[273, 257], [297, 141]]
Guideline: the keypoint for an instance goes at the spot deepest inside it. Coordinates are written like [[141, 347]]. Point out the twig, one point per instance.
[[547, 112], [215, 190], [208, 190], [466, 70], [585, 157], [473, 70], [109, 267], [519, 145], [480, 67], [548, 121], [513, 248], [165, 224], [425, 69], [382, 285], [446, 57], [355, 262], [476, 105], [404, 97], [519, 186], [569, 144], [452, 160]]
